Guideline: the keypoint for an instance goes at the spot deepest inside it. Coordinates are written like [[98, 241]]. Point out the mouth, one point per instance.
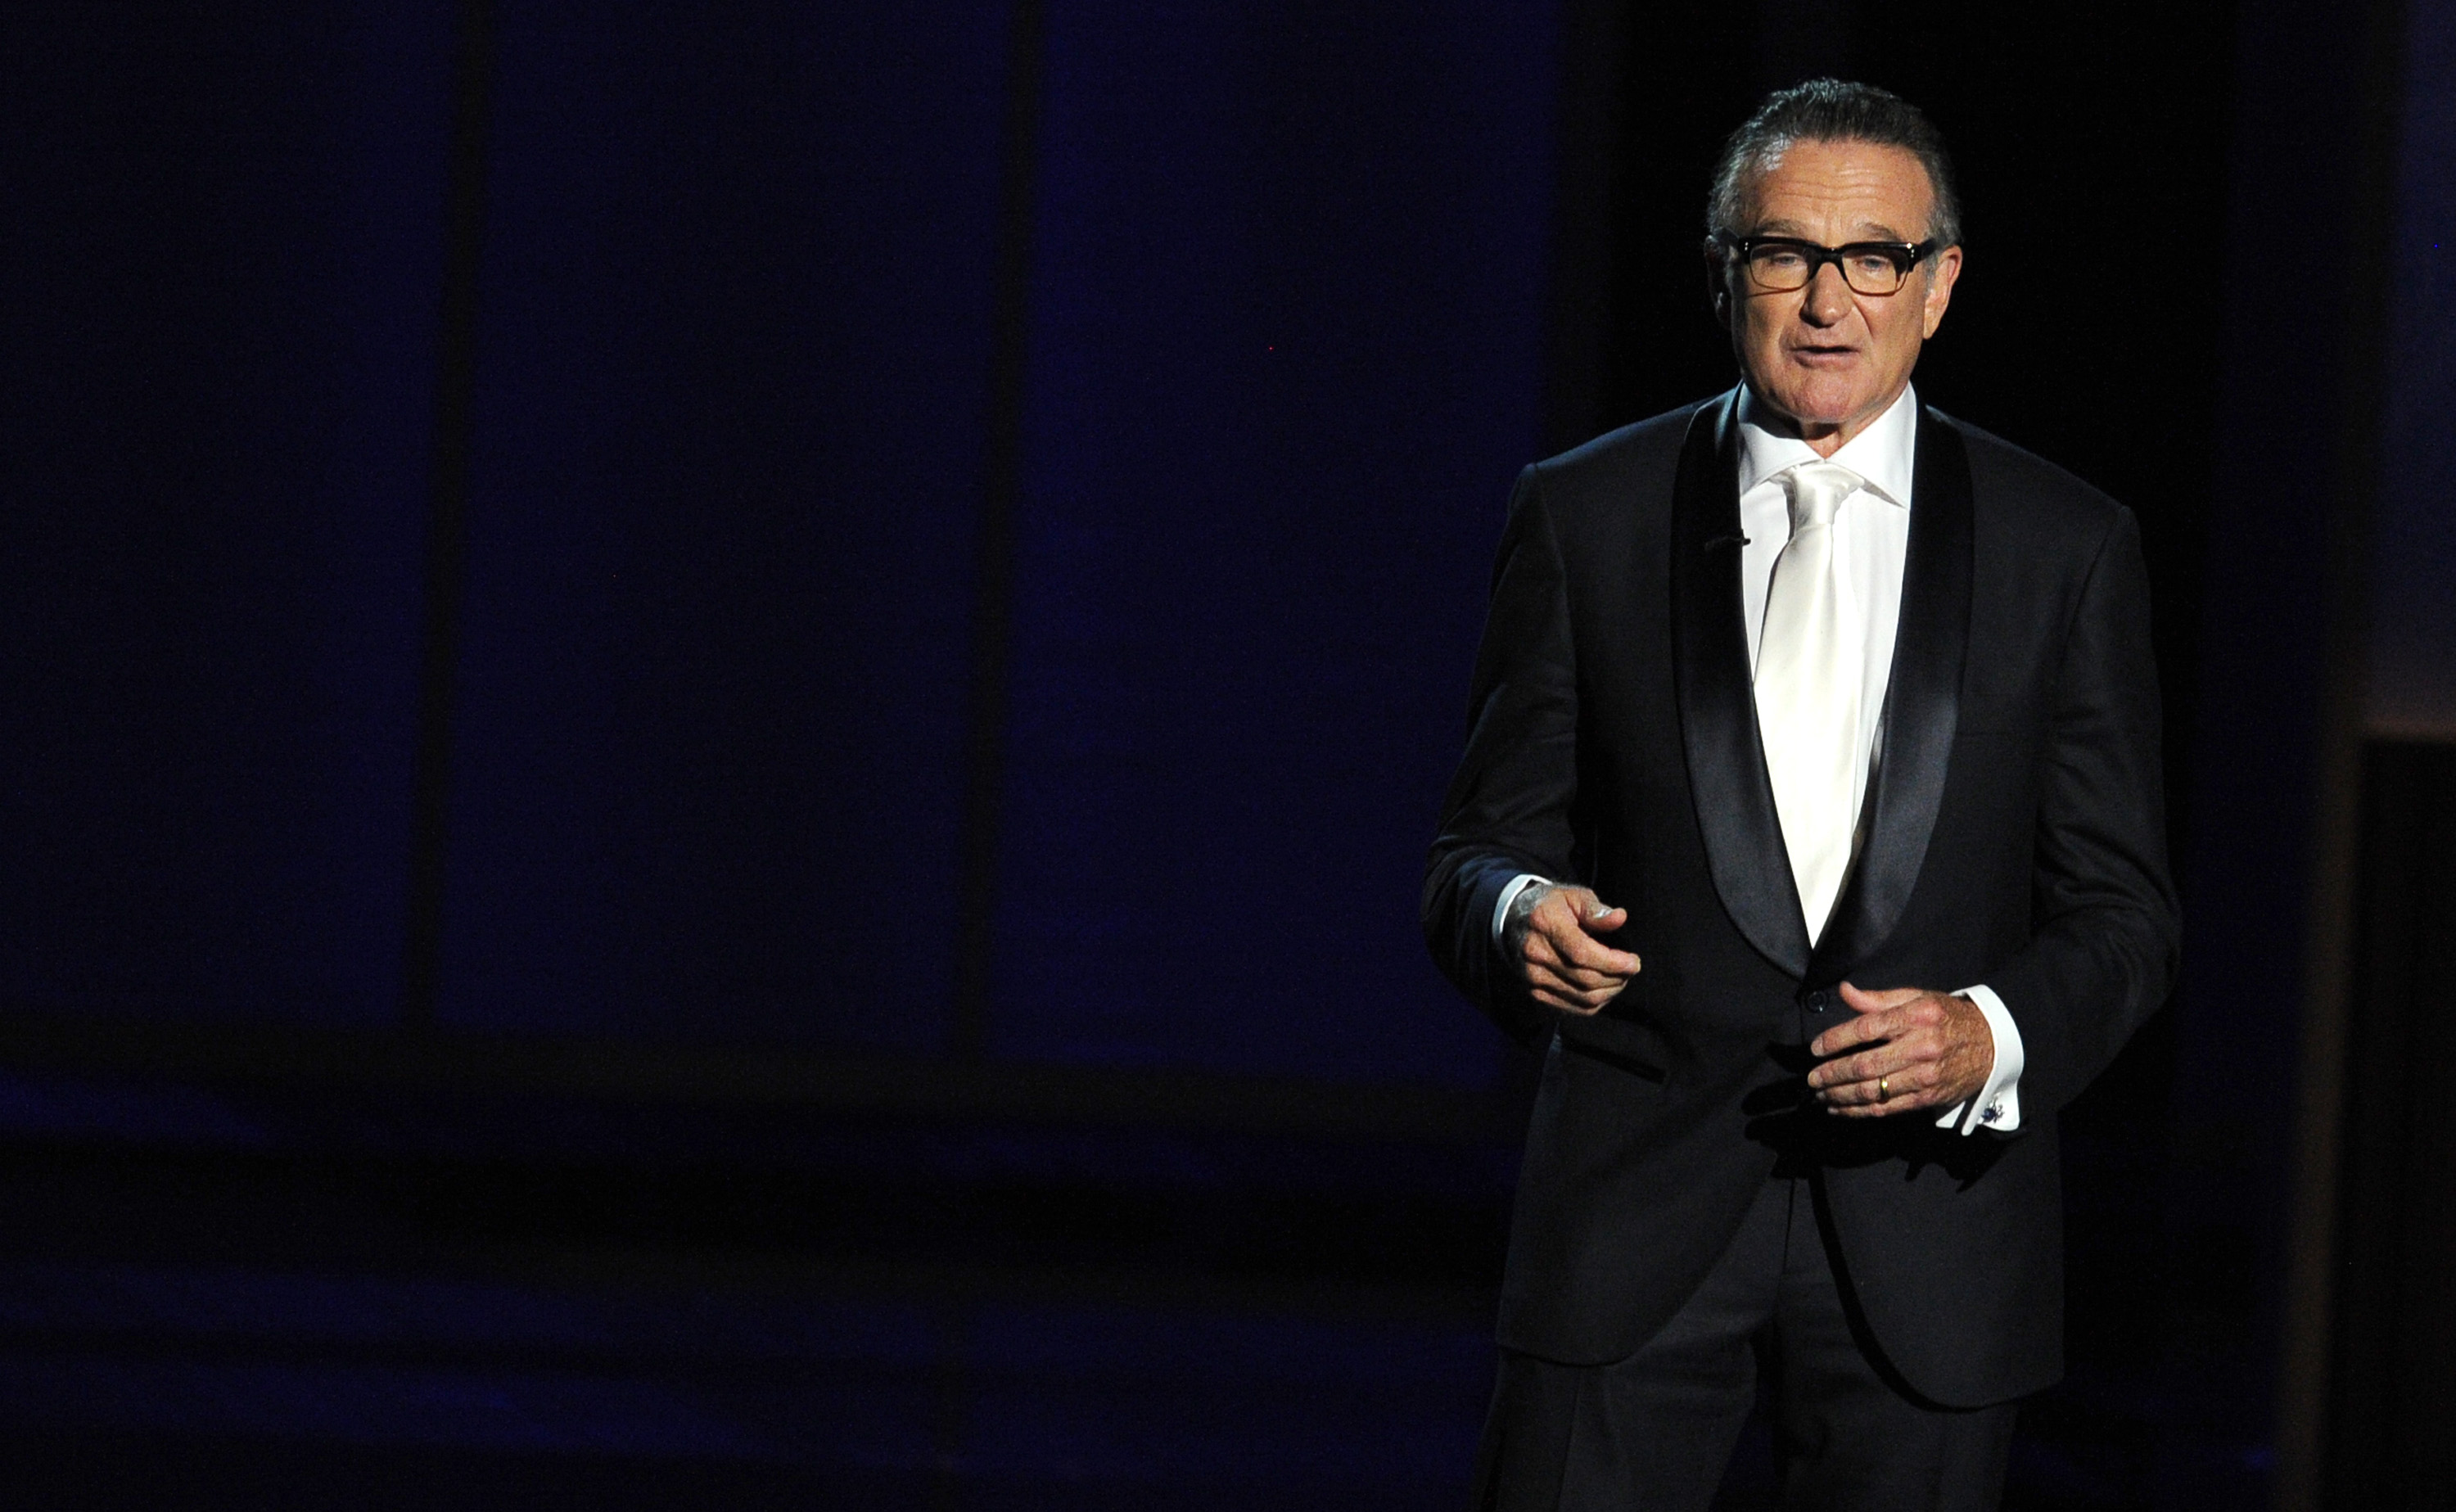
[[1824, 355]]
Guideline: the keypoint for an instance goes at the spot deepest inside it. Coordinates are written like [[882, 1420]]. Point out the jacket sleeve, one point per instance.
[[1507, 811], [2106, 930]]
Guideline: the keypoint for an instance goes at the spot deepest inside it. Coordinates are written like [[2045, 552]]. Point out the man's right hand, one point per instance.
[[1551, 933]]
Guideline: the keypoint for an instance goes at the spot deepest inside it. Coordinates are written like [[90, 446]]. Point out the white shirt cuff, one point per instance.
[[1509, 895], [1998, 1104]]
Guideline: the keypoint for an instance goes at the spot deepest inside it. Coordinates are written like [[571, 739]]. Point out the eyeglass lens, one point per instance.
[[1868, 269]]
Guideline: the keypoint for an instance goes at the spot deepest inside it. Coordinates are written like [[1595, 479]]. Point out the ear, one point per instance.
[[1718, 288], [1941, 279]]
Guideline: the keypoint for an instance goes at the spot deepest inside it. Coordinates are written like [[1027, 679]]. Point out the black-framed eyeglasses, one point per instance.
[[1780, 264]]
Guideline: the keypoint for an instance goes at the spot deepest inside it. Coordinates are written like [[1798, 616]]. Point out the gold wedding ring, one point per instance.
[[1883, 1092]]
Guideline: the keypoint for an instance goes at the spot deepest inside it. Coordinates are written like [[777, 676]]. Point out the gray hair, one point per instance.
[[1832, 111]]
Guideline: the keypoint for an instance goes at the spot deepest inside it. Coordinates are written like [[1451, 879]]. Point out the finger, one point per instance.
[[1880, 1081], [1563, 992], [1563, 947], [1569, 949], [1597, 996], [1584, 1005], [1597, 920], [1580, 901], [1586, 980], [1850, 1069], [1874, 1104], [1859, 1000], [1914, 1010], [1854, 1070], [1590, 997], [1575, 913], [1909, 1045], [1580, 949], [1898, 1092], [1870, 1029]]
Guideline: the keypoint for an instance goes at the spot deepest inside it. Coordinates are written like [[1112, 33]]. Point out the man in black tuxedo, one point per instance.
[[1809, 825]]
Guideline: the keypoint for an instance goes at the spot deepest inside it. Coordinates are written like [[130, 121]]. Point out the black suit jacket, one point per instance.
[[2016, 839]]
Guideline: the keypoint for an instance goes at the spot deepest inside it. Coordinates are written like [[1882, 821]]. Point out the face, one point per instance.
[[1830, 359]]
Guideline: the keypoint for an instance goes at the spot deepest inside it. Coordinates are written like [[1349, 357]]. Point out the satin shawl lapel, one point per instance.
[[1922, 705], [1718, 711]]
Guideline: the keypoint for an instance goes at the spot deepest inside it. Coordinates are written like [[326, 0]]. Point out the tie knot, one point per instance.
[[1816, 490]]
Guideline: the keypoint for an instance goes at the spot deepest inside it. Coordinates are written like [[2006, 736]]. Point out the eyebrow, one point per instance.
[[1870, 231]]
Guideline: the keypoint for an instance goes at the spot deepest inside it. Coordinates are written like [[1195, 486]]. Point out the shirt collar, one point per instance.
[[1886, 454]]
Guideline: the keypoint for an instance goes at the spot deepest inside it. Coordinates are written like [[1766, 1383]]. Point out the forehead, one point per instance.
[[1839, 188]]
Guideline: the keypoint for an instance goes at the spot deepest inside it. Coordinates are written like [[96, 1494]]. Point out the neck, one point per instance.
[[1824, 438]]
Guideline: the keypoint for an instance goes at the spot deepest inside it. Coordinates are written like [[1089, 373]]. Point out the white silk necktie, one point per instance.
[[1808, 689]]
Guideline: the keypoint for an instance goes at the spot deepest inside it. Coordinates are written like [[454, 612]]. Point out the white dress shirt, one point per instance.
[[1871, 541]]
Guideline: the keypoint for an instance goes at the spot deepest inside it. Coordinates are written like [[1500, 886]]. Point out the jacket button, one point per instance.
[[1820, 1002]]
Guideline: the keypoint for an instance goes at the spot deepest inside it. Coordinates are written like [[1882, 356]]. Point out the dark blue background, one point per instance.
[[224, 235], [734, 357], [731, 365], [1286, 354]]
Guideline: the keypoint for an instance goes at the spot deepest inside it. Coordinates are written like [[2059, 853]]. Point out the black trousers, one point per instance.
[[1654, 1432]]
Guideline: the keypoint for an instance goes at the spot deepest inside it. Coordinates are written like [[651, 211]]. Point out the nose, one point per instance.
[[1828, 299]]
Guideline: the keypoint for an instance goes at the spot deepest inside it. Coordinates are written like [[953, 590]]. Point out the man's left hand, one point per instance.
[[1907, 1050]]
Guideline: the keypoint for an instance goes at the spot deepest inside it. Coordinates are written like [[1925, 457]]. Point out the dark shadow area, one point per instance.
[[2392, 1424], [424, 1300]]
